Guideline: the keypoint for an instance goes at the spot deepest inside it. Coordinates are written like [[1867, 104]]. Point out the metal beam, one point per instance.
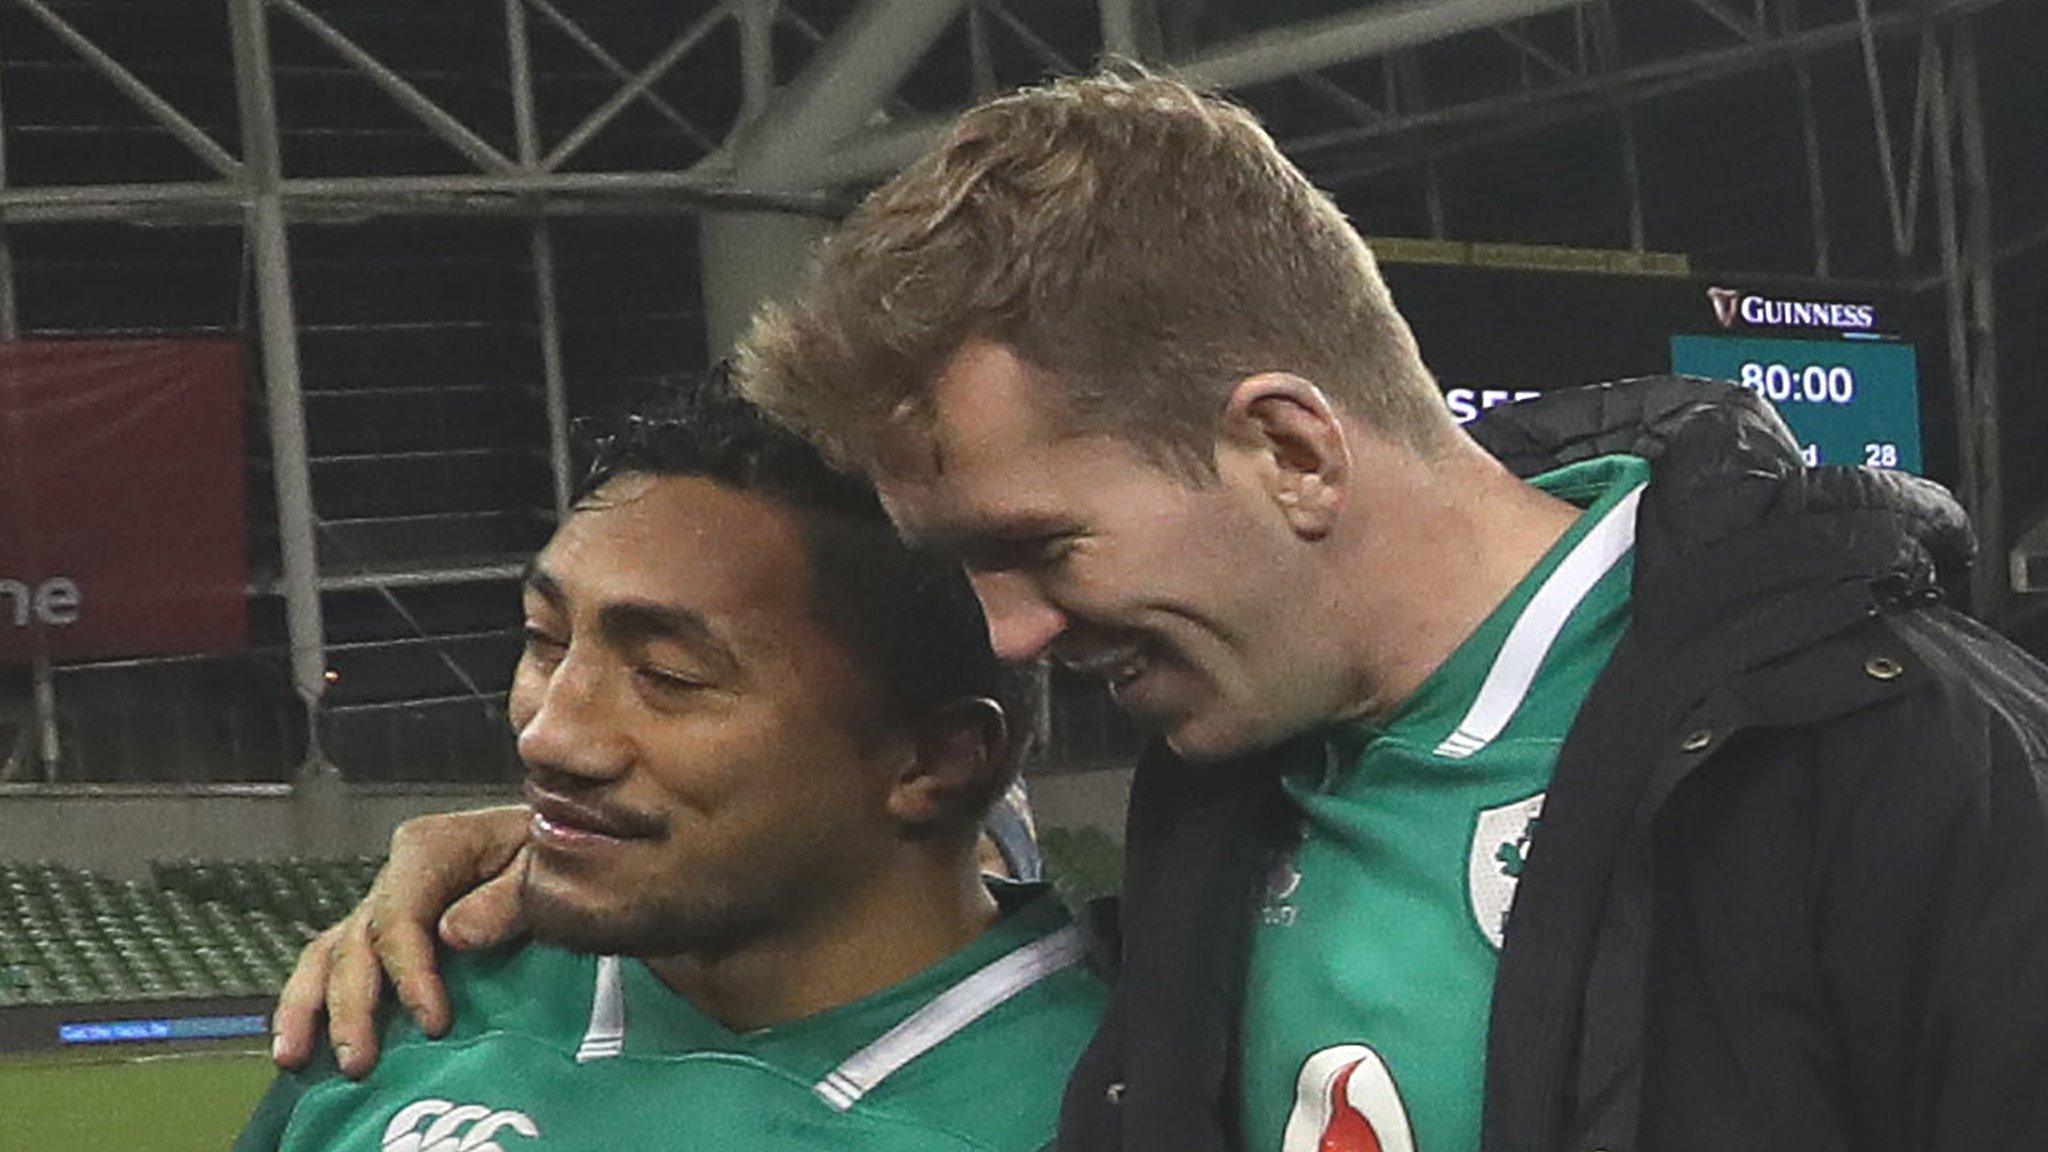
[[182, 193], [1534, 51], [519, 66], [878, 152], [1956, 308], [689, 189], [1608, 57], [634, 88], [756, 20], [1816, 181], [1049, 57], [892, 107], [747, 257], [159, 109], [981, 61], [849, 78], [452, 132], [1809, 134], [1130, 29], [873, 154], [1512, 111], [351, 197], [1405, 90], [1923, 117], [554, 380], [2021, 244], [1256, 59], [43, 679], [1733, 21], [541, 258], [1345, 100], [610, 63], [277, 327], [1993, 585], [10, 318], [1632, 182], [1373, 31], [1475, 124], [1881, 124]]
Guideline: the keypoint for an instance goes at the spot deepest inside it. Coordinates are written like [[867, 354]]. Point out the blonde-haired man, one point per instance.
[[1772, 824], [1145, 247]]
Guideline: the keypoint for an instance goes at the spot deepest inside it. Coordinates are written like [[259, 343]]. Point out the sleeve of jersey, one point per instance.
[[266, 1127]]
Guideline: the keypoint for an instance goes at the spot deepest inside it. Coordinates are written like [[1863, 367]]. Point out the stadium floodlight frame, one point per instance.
[[769, 185]]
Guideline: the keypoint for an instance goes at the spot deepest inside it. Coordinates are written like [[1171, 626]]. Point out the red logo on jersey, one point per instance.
[[1345, 1101], [1347, 1129]]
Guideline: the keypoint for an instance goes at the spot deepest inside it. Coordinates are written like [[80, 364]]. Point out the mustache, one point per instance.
[[621, 821]]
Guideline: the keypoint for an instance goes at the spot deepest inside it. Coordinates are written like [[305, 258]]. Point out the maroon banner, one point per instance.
[[121, 501]]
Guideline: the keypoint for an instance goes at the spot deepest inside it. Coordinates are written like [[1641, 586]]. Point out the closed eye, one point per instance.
[[542, 644], [1009, 555], [667, 681]]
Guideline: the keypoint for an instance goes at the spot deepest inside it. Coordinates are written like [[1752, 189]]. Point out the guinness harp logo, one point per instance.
[[1724, 301]]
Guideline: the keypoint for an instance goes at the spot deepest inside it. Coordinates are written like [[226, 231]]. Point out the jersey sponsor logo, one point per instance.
[[1493, 866], [452, 1127], [1345, 1101]]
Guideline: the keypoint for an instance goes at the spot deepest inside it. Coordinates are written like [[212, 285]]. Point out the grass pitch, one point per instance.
[[187, 1099]]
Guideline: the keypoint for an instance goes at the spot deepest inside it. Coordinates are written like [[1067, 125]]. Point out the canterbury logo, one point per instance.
[[451, 1127]]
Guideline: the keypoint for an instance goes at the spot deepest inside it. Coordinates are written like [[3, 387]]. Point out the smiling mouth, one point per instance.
[[562, 823], [1117, 667]]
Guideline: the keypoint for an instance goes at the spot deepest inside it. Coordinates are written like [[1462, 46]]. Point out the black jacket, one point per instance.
[[1791, 889]]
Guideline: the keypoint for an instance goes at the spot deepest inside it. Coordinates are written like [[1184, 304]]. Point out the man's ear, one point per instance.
[[1297, 444], [960, 751]]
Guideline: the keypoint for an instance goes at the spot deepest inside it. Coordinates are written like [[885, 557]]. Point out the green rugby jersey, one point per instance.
[[1373, 957], [553, 1051]]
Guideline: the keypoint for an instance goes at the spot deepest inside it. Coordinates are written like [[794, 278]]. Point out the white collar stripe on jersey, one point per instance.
[[606, 1035], [918, 1033], [1529, 641], [952, 1011]]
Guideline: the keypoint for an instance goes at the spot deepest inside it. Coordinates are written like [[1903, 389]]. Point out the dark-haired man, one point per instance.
[[758, 736]]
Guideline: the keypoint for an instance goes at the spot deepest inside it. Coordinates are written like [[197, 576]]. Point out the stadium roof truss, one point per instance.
[[824, 117], [749, 110]]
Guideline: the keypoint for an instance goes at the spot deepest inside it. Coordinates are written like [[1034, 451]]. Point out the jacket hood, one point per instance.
[[1728, 477]]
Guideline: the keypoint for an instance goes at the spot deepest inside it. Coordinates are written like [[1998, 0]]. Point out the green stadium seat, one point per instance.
[[194, 928]]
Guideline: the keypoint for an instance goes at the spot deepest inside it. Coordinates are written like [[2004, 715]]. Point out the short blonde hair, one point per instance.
[[1145, 244]]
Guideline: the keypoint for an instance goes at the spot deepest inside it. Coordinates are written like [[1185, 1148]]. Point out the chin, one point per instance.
[[557, 916], [644, 925], [1212, 739], [1199, 747]]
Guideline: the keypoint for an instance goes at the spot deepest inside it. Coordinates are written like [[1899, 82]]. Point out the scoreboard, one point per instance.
[[1846, 402], [1840, 365]]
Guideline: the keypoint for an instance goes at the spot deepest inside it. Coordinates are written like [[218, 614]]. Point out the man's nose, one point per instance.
[[575, 728], [1021, 621]]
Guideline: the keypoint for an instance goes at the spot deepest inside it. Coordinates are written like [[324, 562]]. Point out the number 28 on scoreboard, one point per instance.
[[1846, 402]]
